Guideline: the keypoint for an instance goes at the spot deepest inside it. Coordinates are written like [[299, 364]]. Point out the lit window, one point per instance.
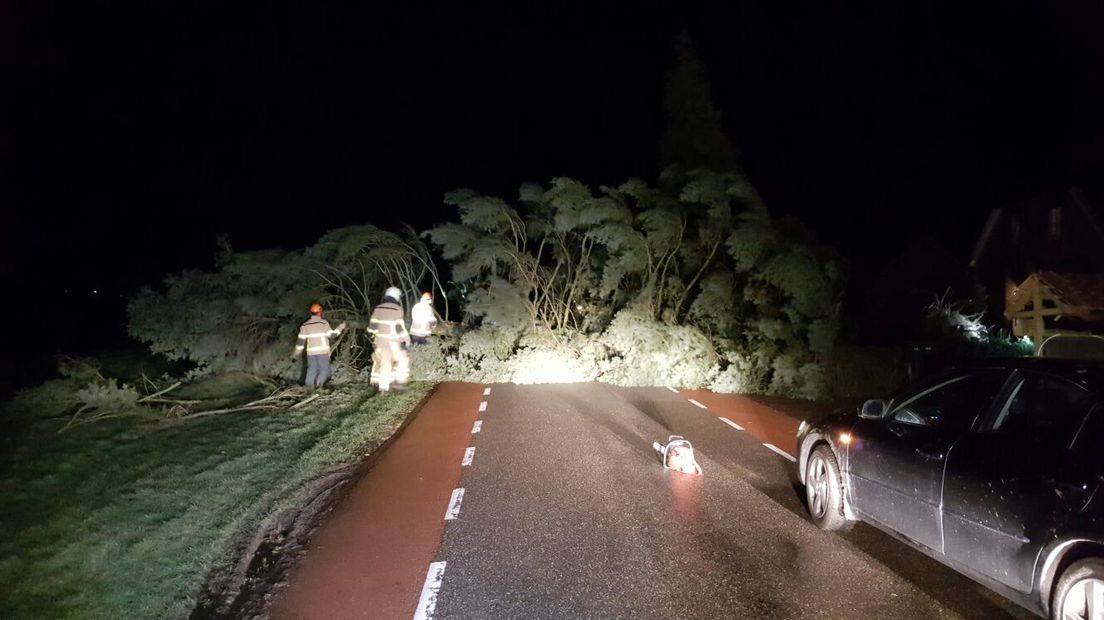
[[1055, 223]]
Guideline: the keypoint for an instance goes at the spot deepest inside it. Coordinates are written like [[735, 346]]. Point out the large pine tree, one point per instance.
[[694, 137]]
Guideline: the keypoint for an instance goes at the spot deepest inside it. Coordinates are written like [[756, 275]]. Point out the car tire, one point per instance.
[[1081, 588], [824, 490]]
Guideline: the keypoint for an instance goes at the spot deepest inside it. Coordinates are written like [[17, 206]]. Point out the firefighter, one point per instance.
[[314, 336], [388, 329], [422, 319]]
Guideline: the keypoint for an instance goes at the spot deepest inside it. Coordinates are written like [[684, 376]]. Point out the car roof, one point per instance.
[[1089, 373]]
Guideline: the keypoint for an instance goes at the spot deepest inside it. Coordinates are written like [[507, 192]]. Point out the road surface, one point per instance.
[[563, 510]]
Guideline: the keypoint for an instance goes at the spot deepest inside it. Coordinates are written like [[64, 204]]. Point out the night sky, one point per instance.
[[133, 133]]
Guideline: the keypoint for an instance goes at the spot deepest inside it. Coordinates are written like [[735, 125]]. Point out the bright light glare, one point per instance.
[[845, 438], [548, 367]]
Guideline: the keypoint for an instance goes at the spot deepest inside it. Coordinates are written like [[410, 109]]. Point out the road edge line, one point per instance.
[[779, 451], [453, 510], [427, 604], [731, 423]]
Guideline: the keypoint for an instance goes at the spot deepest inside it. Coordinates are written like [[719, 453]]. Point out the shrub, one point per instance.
[[49, 400], [431, 361], [651, 353], [797, 375], [864, 372], [745, 374], [108, 396]]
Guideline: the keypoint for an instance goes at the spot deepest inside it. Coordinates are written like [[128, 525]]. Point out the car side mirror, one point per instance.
[[873, 410]]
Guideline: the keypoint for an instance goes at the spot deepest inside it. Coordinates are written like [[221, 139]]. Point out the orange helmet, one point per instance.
[[427, 296], [316, 309]]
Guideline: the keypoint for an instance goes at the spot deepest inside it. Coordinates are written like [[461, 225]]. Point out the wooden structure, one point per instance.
[[1057, 232], [1049, 303]]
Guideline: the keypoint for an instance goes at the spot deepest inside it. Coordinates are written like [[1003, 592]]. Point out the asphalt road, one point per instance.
[[568, 513]]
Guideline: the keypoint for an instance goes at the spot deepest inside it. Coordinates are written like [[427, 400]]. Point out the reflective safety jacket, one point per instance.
[[422, 319], [314, 336], [387, 322]]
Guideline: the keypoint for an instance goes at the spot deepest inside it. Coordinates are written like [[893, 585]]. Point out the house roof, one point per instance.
[[1079, 295], [1072, 198]]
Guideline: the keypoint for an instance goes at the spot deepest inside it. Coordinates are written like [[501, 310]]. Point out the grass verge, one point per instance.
[[124, 519]]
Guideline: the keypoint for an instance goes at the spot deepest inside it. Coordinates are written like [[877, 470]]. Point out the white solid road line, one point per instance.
[[482, 406], [731, 423], [477, 426], [780, 451], [454, 505], [672, 389], [696, 403], [469, 454], [427, 605], [486, 391]]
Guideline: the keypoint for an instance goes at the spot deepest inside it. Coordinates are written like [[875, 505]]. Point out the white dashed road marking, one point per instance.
[[469, 454], [486, 391], [672, 389], [427, 605], [454, 505], [779, 451], [731, 423], [696, 403], [477, 426], [482, 406]]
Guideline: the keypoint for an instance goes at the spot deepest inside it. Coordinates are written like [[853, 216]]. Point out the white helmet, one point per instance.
[[393, 292]]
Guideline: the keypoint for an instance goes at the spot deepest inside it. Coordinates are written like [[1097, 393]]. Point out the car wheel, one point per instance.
[[1080, 592], [823, 490]]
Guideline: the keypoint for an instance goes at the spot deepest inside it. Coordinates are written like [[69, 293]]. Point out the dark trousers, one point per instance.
[[417, 339], [318, 370]]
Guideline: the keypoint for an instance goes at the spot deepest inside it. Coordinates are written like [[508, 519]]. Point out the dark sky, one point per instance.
[[137, 131]]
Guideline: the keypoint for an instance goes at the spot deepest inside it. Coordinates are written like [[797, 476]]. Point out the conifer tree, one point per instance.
[[694, 136]]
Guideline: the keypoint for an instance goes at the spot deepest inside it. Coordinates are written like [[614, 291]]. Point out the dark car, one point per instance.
[[995, 470]]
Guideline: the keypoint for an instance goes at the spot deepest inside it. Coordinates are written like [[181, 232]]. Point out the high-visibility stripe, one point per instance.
[[303, 336], [388, 321], [315, 350]]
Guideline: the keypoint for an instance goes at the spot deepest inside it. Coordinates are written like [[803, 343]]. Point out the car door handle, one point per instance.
[[934, 455]]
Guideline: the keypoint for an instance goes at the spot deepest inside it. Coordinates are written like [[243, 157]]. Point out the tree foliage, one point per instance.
[[245, 315], [701, 250], [687, 282]]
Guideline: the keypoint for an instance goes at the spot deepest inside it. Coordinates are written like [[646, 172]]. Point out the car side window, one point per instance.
[[1044, 409], [1086, 443], [952, 404]]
